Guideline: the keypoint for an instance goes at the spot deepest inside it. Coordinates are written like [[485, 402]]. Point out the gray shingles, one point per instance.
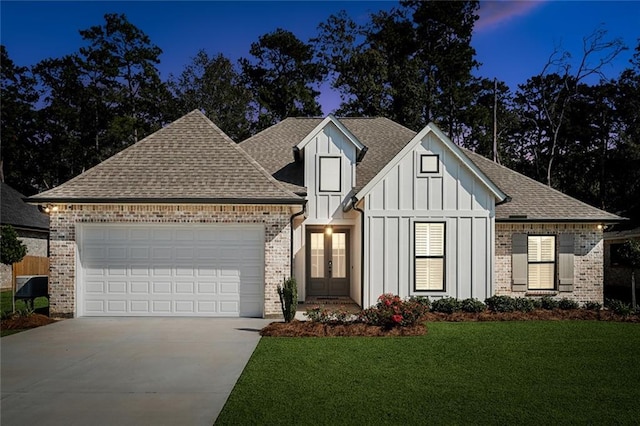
[[16, 212], [190, 159], [385, 138]]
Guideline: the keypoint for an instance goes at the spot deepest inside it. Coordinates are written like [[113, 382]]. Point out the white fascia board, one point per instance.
[[330, 119], [417, 139]]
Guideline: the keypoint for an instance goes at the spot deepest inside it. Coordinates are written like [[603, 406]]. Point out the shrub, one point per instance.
[[392, 311], [12, 249], [327, 316], [500, 304], [447, 305], [288, 298], [472, 305], [619, 307], [421, 300], [549, 303], [567, 304], [523, 304], [592, 306]]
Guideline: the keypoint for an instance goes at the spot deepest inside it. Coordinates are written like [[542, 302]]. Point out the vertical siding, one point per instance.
[[329, 141], [453, 196]]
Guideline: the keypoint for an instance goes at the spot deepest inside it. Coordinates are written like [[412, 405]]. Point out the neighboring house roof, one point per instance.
[[17, 213], [273, 147], [529, 200], [190, 160], [623, 235]]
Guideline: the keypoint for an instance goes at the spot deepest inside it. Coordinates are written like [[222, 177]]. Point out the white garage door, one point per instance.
[[160, 270]]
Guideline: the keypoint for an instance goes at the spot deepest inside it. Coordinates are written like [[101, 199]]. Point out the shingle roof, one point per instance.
[[17, 213], [189, 160], [529, 200], [532, 200], [273, 147]]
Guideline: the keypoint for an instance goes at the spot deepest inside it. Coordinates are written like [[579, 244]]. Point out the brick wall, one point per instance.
[[63, 240], [588, 259]]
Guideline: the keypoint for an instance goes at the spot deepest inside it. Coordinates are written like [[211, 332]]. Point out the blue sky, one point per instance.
[[513, 39]]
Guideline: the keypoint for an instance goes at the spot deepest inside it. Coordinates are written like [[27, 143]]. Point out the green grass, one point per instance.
[[40, 303], [537, 372], [5, 302]]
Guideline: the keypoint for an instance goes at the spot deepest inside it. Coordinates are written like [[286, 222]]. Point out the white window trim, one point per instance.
[[418, 164], [553, 262], [414, 289]]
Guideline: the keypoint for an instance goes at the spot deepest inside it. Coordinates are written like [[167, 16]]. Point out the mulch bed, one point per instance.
[[315, 329], [21, 322]]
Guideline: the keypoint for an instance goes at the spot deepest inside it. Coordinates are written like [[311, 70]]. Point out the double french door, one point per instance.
[[327, 262]]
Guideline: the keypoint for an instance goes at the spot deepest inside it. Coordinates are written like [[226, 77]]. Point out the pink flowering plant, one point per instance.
[[393, 311]]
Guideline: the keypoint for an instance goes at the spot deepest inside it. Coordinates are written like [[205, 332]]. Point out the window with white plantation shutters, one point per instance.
[[429, 256], [541, 259]]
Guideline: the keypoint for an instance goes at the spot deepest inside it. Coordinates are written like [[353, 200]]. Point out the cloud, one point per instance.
[[496, 13]]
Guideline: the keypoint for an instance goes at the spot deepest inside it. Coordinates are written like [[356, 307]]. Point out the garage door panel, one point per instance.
[[140, 287], [206, 271]]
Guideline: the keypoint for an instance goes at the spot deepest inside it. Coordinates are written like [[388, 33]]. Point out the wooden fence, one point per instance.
[[30, 265]]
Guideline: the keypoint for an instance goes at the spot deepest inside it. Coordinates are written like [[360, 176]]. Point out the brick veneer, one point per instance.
[[63, 240], [588, 259]]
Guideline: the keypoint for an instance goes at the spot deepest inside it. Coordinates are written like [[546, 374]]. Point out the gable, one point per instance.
[[456, 174]]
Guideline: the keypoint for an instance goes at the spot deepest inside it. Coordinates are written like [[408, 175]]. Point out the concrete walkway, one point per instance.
[[124, 371]]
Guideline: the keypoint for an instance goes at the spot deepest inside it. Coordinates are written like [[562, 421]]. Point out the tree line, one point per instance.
[[413, 64]]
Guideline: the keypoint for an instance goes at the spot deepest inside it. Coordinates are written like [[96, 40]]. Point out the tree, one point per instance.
[[17, 124], [119, 64], [553, 90], [283, 78], [630, 255], [412, 64], [211, 84], [13, 250]]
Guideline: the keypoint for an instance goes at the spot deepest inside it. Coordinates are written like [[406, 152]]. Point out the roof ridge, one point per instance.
[[119, 153], [249, 158]]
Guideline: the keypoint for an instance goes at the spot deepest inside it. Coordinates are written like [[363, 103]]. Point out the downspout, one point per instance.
[[354, 200], [293, 216]]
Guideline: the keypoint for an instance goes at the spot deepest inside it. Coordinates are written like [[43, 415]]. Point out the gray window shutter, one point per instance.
[[519, 262], [565, 262]]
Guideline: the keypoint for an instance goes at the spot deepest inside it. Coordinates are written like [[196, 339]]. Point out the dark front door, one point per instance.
[[327, 262]]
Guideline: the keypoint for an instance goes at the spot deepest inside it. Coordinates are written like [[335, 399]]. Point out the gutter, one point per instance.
[[293, 216], [354, 200], [254, 201]]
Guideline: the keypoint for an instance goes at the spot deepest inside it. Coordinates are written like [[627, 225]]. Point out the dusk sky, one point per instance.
[[513, 39]]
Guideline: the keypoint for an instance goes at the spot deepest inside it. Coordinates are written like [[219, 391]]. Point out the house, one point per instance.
[[617, 274], [186, 222], [31, 225]]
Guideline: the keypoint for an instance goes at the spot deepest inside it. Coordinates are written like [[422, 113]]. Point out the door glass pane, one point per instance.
[[317, 255], [339, 254]]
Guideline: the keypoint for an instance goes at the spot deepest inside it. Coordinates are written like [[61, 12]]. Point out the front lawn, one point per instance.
[[524, 372]]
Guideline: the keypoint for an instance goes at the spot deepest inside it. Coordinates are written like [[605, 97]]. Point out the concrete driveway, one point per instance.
[[124, 371]]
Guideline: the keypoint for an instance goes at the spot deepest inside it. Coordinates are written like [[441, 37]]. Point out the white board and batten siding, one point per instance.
[[170, 270], [454, 196], [330, 143]]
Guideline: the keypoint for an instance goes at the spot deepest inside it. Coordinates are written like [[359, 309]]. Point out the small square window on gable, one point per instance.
[[428, 164], [330, 174]]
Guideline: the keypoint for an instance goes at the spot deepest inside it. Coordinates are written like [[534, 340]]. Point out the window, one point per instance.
[[541, 259], [429, 256], [537, 265], [429, 163], [330, 174]]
